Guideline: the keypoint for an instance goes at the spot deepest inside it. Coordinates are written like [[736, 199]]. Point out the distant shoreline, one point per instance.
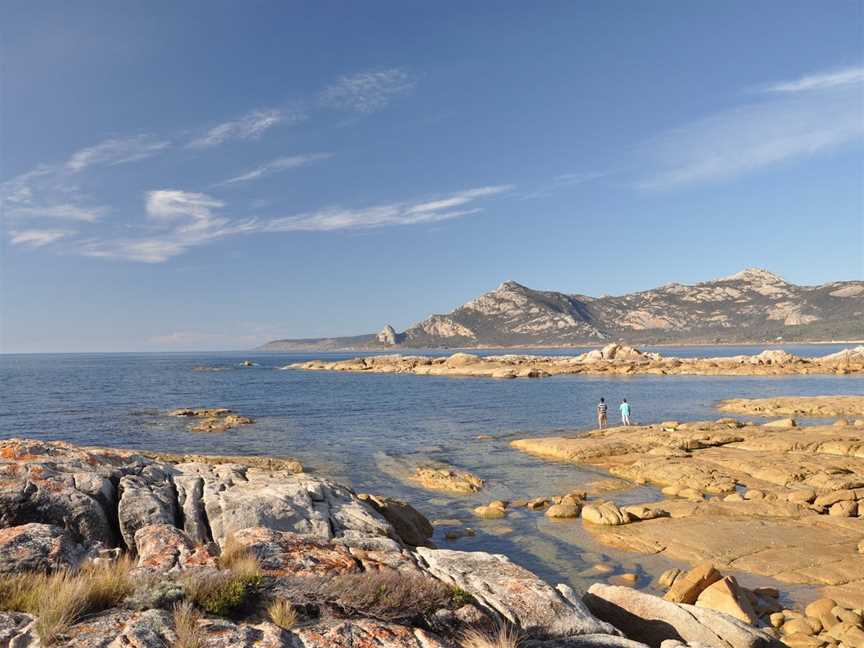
[[413, 350], [587, 345]]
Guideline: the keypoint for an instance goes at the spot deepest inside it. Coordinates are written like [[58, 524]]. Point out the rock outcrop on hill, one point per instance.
[[750, 306], [109, 549], [612, 359]]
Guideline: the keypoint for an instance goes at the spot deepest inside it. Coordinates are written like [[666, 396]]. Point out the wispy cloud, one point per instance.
[[802, 118], [250, 126], [368, 92], [65, 212], [823, 81], [46, 192], [561, 182], [117, 150], [277, 165], [181, 220], [172, 204], [36, 238], [337, 218]]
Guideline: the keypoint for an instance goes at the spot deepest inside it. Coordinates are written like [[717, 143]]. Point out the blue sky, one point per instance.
[[211, 175]]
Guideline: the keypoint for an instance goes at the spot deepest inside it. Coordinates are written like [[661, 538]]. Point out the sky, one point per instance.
[[214, 175]]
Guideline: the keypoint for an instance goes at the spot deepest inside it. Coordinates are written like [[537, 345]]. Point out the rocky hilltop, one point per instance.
[[111, 549], [751, 306]]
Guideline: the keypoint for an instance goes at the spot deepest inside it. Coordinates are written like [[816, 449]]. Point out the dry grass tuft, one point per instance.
[[64, 597], [17, 591], [186, 618], [503, 637], [385, 595], [240, 560], [283, 614]]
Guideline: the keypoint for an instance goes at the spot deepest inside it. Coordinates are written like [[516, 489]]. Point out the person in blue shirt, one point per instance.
[[624, 407]]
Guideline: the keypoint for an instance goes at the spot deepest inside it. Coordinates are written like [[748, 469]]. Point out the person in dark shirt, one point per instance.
[[602, 411]]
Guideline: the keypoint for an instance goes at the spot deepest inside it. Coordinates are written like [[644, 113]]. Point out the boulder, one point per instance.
[[146, 499], [461, 360], [38, 547], [688, 587], [57, 484], [668, 577], [568, 510], [17, 630], [725, 595], [606, 513], [653, 620], [411, 525], [514, 593], [166, 548], [844, 509], [490, 512], [238, 497], [781, 423]]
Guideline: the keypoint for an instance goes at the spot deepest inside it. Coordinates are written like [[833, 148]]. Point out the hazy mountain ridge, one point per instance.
[[750, 306]]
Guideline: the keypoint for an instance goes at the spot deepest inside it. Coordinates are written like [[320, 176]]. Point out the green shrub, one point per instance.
[[220, 593]]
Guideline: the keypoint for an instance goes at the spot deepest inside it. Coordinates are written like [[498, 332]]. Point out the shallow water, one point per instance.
[[365, 429]]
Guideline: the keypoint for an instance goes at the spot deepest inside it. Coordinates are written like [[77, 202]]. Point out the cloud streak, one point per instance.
[[824, 81], [36, 238], [368, 92], [182, 220], [562, 182], [810, 116], [119, 150], [249, 127], [276, 166]]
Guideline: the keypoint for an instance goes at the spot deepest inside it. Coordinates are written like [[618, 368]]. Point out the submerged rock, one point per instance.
[[448, 479]]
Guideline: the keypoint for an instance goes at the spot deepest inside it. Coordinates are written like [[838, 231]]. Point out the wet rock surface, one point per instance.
[[815, 406], [784, 502]]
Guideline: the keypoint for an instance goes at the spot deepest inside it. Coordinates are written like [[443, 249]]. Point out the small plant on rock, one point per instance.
[[218, 593], [283, 614], [459, 597], [186, 628], [504, 637]]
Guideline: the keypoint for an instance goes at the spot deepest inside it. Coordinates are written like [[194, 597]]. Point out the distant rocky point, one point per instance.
[[612, 359], [750, 306]]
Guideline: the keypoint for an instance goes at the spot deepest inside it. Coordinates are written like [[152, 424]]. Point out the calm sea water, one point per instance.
[[367, 430]]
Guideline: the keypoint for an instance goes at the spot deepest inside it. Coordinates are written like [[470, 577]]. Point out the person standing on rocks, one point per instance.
[[625, 412], [602, 409]]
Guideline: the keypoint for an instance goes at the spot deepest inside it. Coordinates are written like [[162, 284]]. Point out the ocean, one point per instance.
[[366, 430]]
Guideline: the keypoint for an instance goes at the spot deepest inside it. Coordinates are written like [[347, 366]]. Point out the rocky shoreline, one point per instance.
[[111, 548], [774, 499], [613, 359]]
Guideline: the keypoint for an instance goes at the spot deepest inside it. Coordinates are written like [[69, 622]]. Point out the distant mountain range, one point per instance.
[[751, 306]]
